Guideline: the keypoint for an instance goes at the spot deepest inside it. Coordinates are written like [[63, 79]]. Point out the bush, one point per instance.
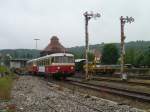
[[6, 82], [5, 87], [3, 69]]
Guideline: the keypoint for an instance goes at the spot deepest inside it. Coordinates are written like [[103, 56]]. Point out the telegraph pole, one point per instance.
[[36, 39], [123, 21], [88, 16]]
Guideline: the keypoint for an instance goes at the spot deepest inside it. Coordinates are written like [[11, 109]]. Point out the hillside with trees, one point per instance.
[[20, 53], [138, 46], [110, 54], [137, 52]]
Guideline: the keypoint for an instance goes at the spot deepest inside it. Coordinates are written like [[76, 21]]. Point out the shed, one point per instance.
[[18, 63]]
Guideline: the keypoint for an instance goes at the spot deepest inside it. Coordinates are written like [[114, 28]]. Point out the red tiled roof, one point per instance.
[[54, 46]]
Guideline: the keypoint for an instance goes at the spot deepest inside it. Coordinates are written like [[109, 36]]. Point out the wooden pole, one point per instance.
[[86, 45], [88, 16], [122, 48]]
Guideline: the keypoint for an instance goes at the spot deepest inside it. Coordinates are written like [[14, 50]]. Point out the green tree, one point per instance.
[[110, 54], [147, 57], [90, 56], [142, 58], [6, 59], [139, 59], [130, 56], [15, 54], [29, 56]]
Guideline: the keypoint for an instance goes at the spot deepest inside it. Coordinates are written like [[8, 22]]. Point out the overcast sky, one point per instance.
[[23, 20]]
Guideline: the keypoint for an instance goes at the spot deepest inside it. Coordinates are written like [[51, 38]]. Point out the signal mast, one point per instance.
[[88, 16], [124, 20]]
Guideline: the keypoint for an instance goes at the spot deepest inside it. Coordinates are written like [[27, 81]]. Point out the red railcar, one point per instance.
[[57, 64]]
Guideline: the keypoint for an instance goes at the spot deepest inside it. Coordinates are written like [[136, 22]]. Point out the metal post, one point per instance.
[[123, 21], [36, 43], [88, 16], [86, 45], [122, 47]]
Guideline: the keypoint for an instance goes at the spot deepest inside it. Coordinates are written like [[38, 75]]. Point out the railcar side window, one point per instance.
[[41, 62], [34, 63], [44, 62], [49, 60], [37, 62], [52, 60]]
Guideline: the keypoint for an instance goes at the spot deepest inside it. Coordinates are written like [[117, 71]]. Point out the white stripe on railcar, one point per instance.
[[41, 68]]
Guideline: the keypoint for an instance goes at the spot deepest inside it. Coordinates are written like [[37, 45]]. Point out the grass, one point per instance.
[[5, 83], [4, 69], [5, 87]]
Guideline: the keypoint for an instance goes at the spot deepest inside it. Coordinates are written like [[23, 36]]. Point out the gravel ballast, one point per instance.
[[33, 94]]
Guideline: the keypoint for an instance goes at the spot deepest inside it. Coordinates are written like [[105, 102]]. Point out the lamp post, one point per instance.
[[88, 16], [36, 39], [124, 20]]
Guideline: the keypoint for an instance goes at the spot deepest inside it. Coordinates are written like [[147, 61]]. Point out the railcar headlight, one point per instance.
[[72, 67], [58, 67]]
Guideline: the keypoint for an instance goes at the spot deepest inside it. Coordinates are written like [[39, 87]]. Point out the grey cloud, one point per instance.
[[23, 20]]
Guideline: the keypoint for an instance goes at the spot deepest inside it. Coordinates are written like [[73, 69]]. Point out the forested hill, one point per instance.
[[138, 46], [20, 53]]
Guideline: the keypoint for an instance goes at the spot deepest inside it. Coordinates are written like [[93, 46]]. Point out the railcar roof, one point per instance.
[[51, 55], [62, 54], [79, 60]]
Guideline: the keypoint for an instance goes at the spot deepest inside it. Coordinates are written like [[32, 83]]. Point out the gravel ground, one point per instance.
[[32, 94]]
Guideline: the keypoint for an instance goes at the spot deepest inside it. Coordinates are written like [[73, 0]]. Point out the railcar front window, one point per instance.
[[52, 60], [56, 60], [70, 59], [63, 59], [60, 59]]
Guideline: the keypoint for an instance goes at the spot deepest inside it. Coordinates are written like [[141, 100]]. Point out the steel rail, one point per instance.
[[112, 90], [98, 78], [120, 81], [65, 96], [74, 100]]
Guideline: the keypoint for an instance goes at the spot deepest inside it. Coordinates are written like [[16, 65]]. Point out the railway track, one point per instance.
[[50, 84], [75, 100], [119, 91], [118, 80], [132, 81]]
